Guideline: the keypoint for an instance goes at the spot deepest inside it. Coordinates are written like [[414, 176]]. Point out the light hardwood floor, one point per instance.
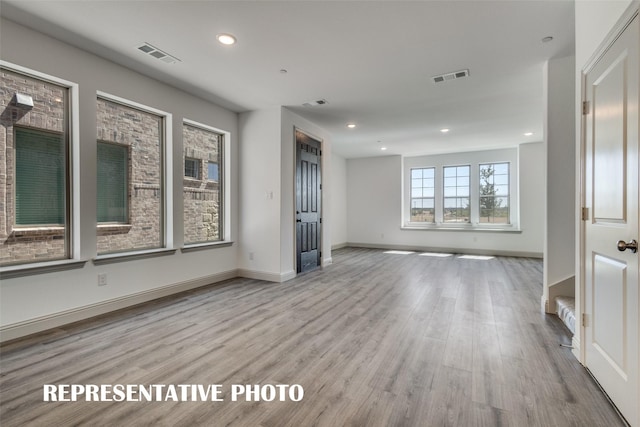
[[375, 340]]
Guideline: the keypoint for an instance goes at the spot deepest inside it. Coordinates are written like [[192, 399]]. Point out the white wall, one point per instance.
[[338, 201], [260, 192], [532, 167], [267, 192], [24, 300], [559, 129], [374, 210]]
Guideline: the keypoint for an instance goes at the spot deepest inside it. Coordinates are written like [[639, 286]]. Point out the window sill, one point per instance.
[[202, 246], [467, 227], [131, 256], [22, 270], [38, 231], [113, 228]]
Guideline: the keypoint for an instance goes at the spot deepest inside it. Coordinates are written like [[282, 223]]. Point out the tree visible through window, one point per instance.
[[494, 193]]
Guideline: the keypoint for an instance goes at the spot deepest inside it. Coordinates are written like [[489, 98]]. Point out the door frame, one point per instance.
[[295, 187]]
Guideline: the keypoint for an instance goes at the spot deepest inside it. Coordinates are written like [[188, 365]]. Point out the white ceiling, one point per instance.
[[371, 60]]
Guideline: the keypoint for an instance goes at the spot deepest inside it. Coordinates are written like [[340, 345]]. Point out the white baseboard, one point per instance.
[[327, 261], [39, 324], [269, 277], [575, 343], [339, 246]]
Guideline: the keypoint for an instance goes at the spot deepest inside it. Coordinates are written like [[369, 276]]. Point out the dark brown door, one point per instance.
[[308, 197]]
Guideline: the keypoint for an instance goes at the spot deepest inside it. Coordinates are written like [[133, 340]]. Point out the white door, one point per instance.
[[611, 194]]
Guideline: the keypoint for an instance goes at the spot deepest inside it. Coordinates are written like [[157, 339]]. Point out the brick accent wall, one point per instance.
[[202, 195], [32, 243], [142, 133]]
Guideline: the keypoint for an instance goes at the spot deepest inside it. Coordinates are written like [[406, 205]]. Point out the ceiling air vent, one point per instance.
[[450, 76], [314, 103], [158, 54]]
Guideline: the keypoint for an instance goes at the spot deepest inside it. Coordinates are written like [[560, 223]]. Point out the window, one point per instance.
[[463, 191], [35, 172], [203, 196], [40, 177], [130, 177], [113, 186], [494, 193], [212, 171], [423, 195], [192, 168], [456, 194]]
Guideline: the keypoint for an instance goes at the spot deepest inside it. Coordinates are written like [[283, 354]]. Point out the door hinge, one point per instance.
[[320, 220], [321, 186], [585, 214], [584, 319], [586, 106]]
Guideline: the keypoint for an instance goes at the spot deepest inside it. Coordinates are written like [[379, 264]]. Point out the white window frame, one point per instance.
[[474, 160], [73, 172], [226, 237], [166, 169]]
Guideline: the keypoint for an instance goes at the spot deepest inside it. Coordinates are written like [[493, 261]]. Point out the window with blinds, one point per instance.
[[40, 176], [112, 191]]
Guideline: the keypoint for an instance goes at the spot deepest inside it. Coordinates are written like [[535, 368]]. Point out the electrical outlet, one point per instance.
[[102, 279]]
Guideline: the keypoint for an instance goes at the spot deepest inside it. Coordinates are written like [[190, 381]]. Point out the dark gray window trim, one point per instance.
[[131, 256], [23, 270], [203, 246]]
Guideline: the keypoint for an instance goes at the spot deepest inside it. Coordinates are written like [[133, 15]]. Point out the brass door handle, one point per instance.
[[632, 245]]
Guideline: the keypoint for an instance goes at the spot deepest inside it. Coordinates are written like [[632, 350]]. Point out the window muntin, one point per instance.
[[141, 131], [456, 194], [35, 172], [192, 168], [494, 193], [113, 183], [423, 195], [203, 197]]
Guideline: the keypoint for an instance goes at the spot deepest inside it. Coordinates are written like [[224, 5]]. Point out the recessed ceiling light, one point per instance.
[[383, 148], [351, 125], [227, 39], [547, 39], [445, 130], [528, 134]]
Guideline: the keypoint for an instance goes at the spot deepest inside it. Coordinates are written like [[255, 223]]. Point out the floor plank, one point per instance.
[[375, 339]]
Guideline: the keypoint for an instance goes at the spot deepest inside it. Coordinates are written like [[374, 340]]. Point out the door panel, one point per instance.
[[611, 299], [609, 152], [308, 202], [609, 290]]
